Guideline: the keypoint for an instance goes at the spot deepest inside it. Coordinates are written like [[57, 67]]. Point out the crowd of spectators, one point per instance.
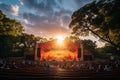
[[93, 66]]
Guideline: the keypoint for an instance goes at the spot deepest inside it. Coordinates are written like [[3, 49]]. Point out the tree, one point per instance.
[[73, 39], [100, 19], [9, 26], [89, 45], [106, 51], [28, 42], [9, 30]]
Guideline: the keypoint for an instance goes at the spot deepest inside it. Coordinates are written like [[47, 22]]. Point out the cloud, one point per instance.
[[21, 2], [10, 9], [14, 10], [34, 18], [44, 24], [41, 5], [46, 30], [50, 17], [81, 3]]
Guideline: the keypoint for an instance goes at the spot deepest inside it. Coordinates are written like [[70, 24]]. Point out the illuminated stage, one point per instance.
[[53, 50], [59, 51], [58, 55]]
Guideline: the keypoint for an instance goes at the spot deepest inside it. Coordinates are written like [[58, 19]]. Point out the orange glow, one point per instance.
[[52, 51], [59, 55]]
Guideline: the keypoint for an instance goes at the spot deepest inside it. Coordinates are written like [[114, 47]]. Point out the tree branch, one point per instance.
[[109, 41]]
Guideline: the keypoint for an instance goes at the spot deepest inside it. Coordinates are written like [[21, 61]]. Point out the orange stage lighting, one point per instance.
[[58, 50]]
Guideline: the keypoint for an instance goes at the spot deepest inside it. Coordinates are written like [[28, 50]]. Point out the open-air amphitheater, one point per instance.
[[27, 69]]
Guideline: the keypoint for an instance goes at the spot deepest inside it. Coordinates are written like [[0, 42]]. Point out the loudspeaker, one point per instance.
[[38, 52], [79, 52]]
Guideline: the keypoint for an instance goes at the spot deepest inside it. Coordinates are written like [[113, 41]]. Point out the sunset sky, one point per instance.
[[46, 18]]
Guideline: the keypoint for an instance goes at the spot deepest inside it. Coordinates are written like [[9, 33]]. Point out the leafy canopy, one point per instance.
[[99, 18], [9, 26]]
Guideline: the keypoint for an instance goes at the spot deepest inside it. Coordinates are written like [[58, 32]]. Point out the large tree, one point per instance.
[[9, 26], [9, 30], [101, 18], [27, 42]]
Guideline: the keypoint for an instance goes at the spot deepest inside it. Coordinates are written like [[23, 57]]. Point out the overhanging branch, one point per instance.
[[109, 40]]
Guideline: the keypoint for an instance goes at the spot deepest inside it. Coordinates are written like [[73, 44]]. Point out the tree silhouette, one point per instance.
[[101, 18], [9, 30]]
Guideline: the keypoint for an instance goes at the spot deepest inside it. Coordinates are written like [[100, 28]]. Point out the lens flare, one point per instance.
[[60, 39]]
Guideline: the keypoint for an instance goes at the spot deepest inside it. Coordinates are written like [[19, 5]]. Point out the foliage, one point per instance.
[[73, 39], [9, 30], [9, 26], [106, 51], [27, 42], [89, 45], [12, 39], [101, 18]]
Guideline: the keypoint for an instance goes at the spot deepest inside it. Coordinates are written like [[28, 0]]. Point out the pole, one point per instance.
[[82, 53], [36, 46]]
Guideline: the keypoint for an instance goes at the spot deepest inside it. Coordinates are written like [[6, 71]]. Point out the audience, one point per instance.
[[92, 66]]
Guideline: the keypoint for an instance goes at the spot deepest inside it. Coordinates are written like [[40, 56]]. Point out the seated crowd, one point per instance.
[[92, 66]]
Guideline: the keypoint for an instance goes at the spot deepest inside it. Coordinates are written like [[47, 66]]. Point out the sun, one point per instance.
[[60, 39]]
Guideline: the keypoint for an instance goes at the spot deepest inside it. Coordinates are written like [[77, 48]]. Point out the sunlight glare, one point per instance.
[[60, 39]]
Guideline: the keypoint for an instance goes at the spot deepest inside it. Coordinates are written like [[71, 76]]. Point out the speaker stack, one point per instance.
[[38, 52], [79, 52]]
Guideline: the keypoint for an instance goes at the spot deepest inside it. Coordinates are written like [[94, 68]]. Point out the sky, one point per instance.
[[45, 18]]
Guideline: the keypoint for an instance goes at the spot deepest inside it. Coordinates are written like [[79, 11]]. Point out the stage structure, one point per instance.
[[52, 50]]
